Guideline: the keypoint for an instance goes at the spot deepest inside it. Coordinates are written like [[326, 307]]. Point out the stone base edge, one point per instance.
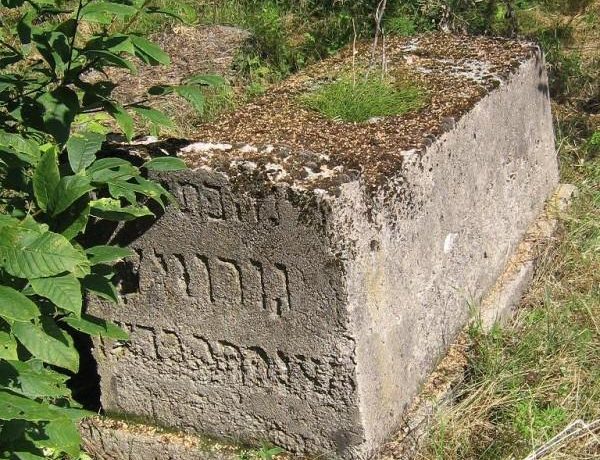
[[497, 306], [109, 439]]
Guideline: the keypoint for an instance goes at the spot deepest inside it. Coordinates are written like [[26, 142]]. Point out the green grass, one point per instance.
[[358, 101]]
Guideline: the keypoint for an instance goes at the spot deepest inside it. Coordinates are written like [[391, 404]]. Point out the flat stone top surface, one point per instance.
[[276, 137]]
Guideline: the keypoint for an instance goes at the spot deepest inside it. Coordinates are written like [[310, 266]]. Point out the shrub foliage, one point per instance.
[[54, 185]]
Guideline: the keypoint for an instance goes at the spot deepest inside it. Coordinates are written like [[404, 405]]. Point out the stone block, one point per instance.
[[314, 270]]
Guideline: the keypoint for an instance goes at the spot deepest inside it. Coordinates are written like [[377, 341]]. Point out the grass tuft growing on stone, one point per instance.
[[360, 100]]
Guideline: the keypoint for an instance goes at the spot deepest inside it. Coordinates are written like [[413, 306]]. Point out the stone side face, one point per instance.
[[239, 327], [440, 238]]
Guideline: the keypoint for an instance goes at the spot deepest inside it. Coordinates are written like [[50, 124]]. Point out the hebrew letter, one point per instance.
[[226, 282], [212, 204], [169, 346], [199, 280], [255, 367], [190, 198], [278, 290], [253, 286]]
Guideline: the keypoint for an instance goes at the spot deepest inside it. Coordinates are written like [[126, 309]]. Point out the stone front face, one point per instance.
[[239, 327], [301, 296]]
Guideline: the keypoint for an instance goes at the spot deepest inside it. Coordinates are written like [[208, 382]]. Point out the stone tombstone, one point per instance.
[[314, 270]]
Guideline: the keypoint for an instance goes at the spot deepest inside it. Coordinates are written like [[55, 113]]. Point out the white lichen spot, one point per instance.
[[409, 154], [449, 242], [198, 147], [411, 46], [244, 164], [248, 149], [325, 172], [146, 140]]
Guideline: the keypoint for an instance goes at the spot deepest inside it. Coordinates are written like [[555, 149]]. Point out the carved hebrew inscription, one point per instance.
[[221, 281], [223, 362], [216, 203]]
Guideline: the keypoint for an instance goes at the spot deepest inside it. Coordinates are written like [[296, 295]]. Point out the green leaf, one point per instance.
[[154, 116], [53, 112], [103, 12], [122, 173], [15, 306], [82, 149], [111, 209], [107, 163], [8, 221], [102, 287], [24, 28], [32, 379], [104, 254], [29, 454], [153, 190], [27, 253], [63, 291], [10, 58], [54, 47], [160, 90], [206, 80], [46, 178], [122, 118], [62, 435], [78, 225], [115, 43], [193, 95], [165, 164], [96, 327], [83, 268], [149, 52], [69, 189], [26, 149], [16, 407], [48, 343], [110, 59], [8, 347], [12, 3], [122, 189]]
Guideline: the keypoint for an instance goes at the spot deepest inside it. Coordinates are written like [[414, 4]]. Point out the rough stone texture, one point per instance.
[[106, 439], [308, 308]]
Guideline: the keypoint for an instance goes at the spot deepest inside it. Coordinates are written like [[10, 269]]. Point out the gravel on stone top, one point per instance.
[[277, 139]]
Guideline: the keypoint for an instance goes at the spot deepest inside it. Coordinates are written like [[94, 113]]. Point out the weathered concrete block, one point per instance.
[[316, 270]]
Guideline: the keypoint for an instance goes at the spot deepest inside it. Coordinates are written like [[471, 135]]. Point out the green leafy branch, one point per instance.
[[57, 185]]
